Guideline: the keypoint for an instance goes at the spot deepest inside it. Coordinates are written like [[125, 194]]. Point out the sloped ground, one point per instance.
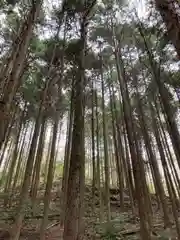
[[124, 225]]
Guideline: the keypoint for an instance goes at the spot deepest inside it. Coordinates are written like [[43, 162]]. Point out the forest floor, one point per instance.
[[123, 225]]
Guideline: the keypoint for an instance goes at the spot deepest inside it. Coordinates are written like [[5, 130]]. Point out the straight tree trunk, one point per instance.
[[98, 161], [118, 152], [106, 157], [93, 140], [171, 19], [13, 77], [47, 195], [171, 123], [72, 222], [152, 158], [137, 170], [67, 158], [19, 158], [37, 165]]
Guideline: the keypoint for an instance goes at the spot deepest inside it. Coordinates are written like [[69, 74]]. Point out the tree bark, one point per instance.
[[171, 19]]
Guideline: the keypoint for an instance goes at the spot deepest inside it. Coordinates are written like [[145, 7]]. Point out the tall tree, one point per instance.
[[168, 10], [74, 207]]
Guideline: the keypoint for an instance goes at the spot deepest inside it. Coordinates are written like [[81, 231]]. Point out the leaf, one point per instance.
[[163, 41], [166, 234], [102, 32]]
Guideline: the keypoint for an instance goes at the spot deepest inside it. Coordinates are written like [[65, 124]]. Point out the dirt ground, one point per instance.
[[124, 224]]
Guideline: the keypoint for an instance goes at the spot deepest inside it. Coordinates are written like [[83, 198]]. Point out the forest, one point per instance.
[[89, 119]]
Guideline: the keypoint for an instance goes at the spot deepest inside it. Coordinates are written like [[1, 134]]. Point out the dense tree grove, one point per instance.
[[89, 119]]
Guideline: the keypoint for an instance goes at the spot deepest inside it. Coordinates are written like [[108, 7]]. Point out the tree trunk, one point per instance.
[[171, 123], [72, 222], [106, 157], [37, 165], [93, 141], [67, 158], [47, 195], [137, 170], [172, 21], [14, 76], [98, 162]]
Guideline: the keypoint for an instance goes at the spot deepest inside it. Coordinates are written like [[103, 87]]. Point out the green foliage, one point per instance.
[[163, 41], [37, 46], [173, 79], [32, 83], [11, 2], [103, 32], [3, 178], [53, 49], [110, 231], [109, 235], [59, 169], [76, 6], [73, 50], [166, 234]]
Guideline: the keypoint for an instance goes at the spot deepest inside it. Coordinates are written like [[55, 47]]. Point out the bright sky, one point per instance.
[[140, 6]]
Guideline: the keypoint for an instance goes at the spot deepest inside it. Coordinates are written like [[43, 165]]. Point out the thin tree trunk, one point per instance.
[[172, 126], [98, 162], [47, 195], [67, 158], [13, 77], [37, 166], [93, 141], [137, 171]]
